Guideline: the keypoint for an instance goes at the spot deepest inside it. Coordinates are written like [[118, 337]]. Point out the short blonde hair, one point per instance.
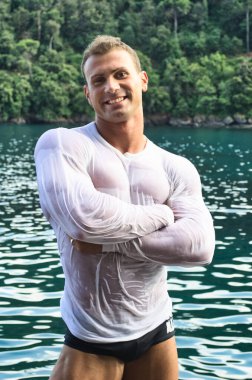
[[103, 44]]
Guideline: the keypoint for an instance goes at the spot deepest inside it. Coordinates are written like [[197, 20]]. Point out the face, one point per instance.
[[114, 86]]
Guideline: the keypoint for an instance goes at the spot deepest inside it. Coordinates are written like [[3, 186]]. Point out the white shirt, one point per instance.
[[145, 209]]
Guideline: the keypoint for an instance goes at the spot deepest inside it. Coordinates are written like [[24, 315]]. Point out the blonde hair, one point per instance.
[[103, 44]]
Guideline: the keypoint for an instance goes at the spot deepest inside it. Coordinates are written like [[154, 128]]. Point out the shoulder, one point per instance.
[[68, 141], [56, 137], [173, 161], [180, 170]]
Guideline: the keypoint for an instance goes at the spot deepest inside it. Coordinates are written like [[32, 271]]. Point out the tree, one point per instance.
[[85, 21], [241, 87], [161, 45], [26, 50], [6, 96], [248, 8], [157, 98], [5, 16], [180, 85], [177, 7], [188, 48], [15, 92], [21, 22], [214, 83], [49, 100], [7, 50]]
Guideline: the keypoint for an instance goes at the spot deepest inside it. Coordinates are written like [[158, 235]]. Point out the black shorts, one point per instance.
[[125, 351]]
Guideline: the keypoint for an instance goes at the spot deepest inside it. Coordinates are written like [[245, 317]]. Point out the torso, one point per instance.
[[111, 295]]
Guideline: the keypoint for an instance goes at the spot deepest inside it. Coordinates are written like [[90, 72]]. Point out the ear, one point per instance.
[[145, 80], [86, 93]]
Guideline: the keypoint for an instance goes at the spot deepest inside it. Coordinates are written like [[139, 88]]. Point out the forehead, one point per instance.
[[109, 62]]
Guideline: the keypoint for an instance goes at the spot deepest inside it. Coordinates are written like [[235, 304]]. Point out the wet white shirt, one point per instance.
[[147, 212]]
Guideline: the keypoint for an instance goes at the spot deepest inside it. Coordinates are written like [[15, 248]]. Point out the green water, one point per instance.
[[212, 306]]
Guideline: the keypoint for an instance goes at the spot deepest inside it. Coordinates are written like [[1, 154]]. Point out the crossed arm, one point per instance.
[[189, 241], [99, 222], [69, 199]]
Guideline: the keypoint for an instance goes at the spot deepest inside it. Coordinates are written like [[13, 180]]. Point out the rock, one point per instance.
[[199, 119], [158, 119], [186, 122], [174, 122], [228, 120], [240, 119], [214, 122], [18, 120]]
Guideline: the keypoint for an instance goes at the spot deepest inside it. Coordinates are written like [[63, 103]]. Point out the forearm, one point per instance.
[[88, 215], [185, 243]]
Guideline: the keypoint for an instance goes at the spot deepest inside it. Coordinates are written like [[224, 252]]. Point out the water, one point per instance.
[[212, 305]]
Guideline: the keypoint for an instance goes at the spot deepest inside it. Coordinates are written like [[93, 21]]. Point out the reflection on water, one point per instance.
[[212, 305]]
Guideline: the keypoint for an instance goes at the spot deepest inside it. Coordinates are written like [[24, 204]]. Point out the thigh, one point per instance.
[[77, 365], [159, 362]]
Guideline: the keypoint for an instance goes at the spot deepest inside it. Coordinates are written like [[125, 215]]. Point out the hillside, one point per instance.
[[197, 55]]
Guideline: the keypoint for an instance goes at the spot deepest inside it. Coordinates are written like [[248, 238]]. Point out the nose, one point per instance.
[[111, 85]]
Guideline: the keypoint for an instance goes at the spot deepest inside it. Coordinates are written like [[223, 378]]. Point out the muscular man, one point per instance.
[[122, 209]]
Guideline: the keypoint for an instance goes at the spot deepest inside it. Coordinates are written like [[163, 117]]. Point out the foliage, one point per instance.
[[196, 53]]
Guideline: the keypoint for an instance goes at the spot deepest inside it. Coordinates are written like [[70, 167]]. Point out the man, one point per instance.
[[122, 209]]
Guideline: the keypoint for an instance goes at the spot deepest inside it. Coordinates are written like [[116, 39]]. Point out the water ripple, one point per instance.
[[212, 305]]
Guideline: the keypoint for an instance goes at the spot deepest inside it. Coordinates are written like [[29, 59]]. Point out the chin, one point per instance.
[[118, 117]]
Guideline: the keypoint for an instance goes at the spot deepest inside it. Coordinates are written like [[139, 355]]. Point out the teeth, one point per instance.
[[117, 100]]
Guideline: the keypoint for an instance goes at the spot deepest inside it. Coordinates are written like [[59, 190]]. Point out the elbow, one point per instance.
[[203, 253], [206, 257], [199, 258]]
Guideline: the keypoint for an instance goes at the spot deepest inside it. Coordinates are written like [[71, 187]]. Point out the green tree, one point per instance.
[[212, 87], [85, 21], [7, 49], [15, 92], [5, 16], [6, 96], [72, 84], [50, 23], [188, 48], [157, 98], [21, 22], [177, 7], [248, 9], [49, 100], [241, 87], [26, 51], [161, 45], [180, 85]]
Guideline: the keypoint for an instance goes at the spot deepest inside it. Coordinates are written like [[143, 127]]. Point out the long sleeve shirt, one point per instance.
[[147, 212]]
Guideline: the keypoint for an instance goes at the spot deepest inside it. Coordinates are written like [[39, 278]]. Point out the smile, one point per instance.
[[117, 100]]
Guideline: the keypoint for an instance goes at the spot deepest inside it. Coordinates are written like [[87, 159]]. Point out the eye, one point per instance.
[[121, 75], [97, 81]]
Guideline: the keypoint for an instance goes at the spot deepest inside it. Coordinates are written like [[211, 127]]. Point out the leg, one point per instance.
[[159, 362], [76, 365]]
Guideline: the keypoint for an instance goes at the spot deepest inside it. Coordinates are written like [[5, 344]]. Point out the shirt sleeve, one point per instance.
[[190, 240], [69, 199]]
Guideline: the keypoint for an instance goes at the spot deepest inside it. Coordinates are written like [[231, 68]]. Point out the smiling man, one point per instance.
[[122, 210], [115, 83], [115, 90]]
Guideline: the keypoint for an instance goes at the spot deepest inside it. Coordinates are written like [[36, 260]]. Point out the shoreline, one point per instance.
[[198, 121]]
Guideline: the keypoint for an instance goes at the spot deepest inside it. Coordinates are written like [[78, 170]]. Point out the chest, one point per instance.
[[136, 180]]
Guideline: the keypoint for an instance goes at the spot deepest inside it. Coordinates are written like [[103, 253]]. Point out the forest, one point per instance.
[[197, 54]]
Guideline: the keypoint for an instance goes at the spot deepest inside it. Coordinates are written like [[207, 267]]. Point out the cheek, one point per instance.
[[93, 99]]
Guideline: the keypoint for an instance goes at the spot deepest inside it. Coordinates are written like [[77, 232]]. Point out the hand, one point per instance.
[[88, 248]]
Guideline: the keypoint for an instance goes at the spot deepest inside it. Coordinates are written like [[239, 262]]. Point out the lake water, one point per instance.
[[212, 305]]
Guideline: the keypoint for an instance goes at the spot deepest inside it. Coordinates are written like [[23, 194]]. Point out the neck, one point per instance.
[[125, 136]]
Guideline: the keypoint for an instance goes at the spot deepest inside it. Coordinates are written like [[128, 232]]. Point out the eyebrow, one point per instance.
[[101, 74]]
